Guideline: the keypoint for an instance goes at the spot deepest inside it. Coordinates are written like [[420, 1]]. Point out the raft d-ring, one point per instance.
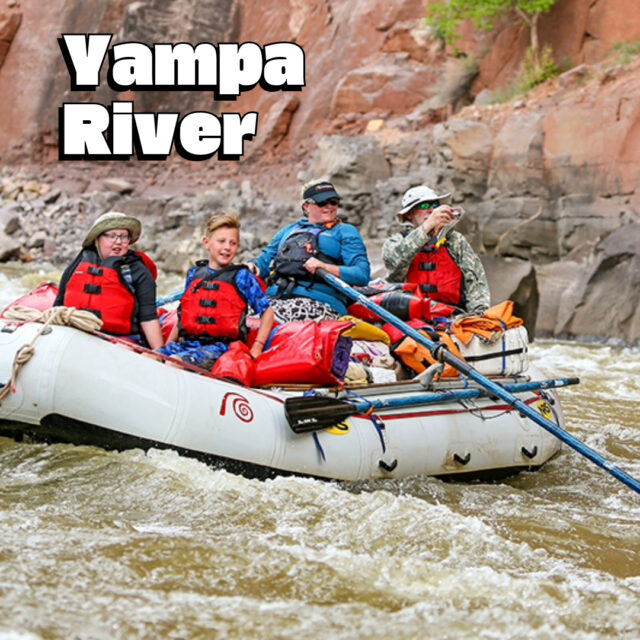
[[529, 454], [388, 467], [460, 460]]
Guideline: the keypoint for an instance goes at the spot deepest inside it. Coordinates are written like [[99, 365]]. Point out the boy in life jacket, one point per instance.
[[216, 300], [113, 281], [439, 260], [318, 240]]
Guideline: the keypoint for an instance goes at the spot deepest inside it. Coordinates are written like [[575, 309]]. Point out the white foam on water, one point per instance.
[[138, 545]]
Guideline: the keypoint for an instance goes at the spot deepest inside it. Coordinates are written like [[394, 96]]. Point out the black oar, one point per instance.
[[314, 413], [440, 352]]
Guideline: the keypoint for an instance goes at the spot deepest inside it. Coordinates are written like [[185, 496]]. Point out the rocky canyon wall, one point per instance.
[[549, 179]]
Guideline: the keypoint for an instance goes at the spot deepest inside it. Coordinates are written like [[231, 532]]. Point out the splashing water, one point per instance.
[[97, 544]]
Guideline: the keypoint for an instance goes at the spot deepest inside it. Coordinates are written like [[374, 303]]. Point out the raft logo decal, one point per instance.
[[239, 404], [544, 409]]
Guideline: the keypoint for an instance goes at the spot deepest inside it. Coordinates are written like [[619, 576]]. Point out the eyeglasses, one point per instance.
[[117, 237], [428, 205], [333, 202]]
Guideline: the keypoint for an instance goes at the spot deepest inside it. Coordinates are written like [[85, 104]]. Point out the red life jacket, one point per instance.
[[438, 276], [105, 288], [213, 308]]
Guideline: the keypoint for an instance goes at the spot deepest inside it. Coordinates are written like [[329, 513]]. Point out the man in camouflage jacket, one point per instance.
[[432, 220]]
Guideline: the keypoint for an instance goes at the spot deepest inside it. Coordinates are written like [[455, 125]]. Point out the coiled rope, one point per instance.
[[68, 316]]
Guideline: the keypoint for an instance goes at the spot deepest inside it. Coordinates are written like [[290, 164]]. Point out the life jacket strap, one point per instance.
[[92, 288]]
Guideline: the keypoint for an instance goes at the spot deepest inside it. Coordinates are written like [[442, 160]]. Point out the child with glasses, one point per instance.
[[114, 281]]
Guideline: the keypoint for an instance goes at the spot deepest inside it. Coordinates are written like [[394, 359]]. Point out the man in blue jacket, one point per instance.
[[317, 240]]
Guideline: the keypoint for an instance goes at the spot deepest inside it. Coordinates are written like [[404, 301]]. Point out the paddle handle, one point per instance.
[[460, 394]]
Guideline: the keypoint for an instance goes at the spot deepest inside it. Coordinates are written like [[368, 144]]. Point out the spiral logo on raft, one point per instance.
[[239, 404]]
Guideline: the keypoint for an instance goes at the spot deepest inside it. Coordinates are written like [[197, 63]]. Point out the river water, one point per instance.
[[133, 545]]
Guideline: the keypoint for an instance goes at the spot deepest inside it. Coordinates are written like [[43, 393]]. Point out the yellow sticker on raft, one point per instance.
[[340, 429], [544, 409]]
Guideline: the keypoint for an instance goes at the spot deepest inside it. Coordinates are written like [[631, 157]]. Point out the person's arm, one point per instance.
[[259, 303], [173, 334], [266, 322], [262, 263], [153, 333], [145, 291], [313, 263], [477, 297], [64, 279], [398, 251], [355, 269]]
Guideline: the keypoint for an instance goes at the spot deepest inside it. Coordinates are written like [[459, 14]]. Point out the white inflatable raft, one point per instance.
[[81, 388]]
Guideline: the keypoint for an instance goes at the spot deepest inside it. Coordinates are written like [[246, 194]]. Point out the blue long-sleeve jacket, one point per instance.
[[342, 243]]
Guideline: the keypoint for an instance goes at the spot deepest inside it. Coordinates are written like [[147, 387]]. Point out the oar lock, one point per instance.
[[438, 351], [425, 378]]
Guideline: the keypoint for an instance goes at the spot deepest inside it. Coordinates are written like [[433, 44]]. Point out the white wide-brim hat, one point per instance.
[[113, 220], [417, 195]]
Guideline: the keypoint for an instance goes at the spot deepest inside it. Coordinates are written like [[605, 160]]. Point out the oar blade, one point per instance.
[[315, 413]]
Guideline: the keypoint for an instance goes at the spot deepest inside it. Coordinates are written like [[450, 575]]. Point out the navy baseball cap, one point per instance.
[[320, 192]]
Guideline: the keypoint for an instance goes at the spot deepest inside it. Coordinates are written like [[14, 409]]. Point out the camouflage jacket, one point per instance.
[[400, 249]]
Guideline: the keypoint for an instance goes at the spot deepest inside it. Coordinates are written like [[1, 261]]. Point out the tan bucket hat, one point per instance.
[[113, 220]]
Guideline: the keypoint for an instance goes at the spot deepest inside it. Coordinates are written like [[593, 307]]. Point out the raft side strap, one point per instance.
[[312, 392], [504, 345], [379, 425], [319, 446], [489, 356], [377, 422]]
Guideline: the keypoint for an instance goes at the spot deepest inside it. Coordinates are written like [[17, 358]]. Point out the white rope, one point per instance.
[[69, 316]]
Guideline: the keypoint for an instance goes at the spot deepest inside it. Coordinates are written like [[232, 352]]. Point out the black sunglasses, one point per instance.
[[334, 202]]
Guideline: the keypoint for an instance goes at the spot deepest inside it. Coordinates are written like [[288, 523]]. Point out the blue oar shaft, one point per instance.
[[171, 297], [441, 353], [453, 395]]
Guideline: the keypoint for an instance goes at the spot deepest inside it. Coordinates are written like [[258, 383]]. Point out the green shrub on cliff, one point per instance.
[[626, 51], [445, 16], [533, 72]]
